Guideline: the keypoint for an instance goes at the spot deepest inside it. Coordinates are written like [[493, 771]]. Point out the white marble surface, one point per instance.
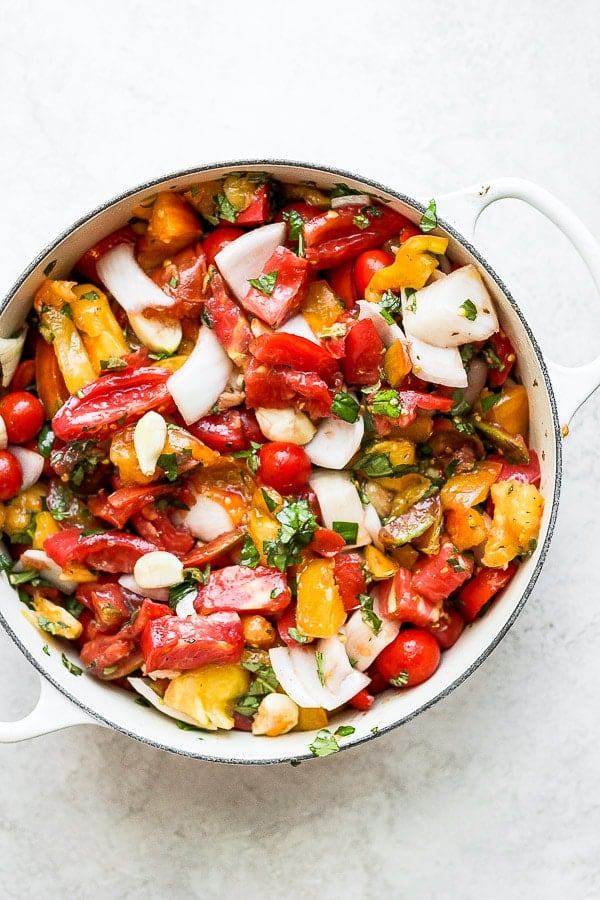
[[495, 793]]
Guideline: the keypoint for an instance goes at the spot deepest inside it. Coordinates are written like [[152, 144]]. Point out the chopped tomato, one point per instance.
[[182, 279], [363, 700], [241, 589], [277, 293], [121, 504], [350, 579], [529, 473], [326, 542], [175, 643], [112, 401], [336, 236], [87, 263], [364, 352], [436, 577], [284, 466], [448, 627], [216, 240], [228, 321], [500, 356], [341, 280], [400, 600], [410, 659], [108, 551], [158, 528], [258, 211], [107, 601], [482, 588], [234, 429], [214, 550], [297, 353], [279, 387]]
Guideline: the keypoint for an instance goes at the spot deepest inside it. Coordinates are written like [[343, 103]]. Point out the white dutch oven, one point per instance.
[[555, 393]]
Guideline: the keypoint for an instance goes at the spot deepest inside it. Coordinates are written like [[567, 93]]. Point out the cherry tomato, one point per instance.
[[284, 466], [410, 659], [11, 475], [219, 238], [23, 416], [366, 265]]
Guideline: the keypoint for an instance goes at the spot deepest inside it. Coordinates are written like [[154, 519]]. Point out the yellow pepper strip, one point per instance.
[[51, 618], [518, 509], [53, 304], [412, 267], [320, 610], [207, 695], [94, 319]]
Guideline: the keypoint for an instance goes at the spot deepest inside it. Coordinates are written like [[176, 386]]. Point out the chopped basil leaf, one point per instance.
[[411, 300], [319, 662], [348, 530], [344, 730], [50, 626], [376, 465], [187, 726], [168, 463], [468, 310], [466, 353], [173, 282], [73, 606], [264, 682], [361, 221], [46, 650], [249, 556], [50, 267], [324, 744], [457, 565], [45, 441], [386, 403], [90, 295], [298, 524], [460, 404], [270, 502], [491, 359], [69, 666], [298, 636], [341, 190], [251, 456], [109, 670], [225, 208], [390, 305], [401, 679], [295, 229], [265, 283], [489, 401], [141, 701], [369, 616], [112, 363], [345, 407], [429, 218]]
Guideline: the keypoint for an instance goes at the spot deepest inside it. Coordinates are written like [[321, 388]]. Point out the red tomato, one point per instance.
[[407, 231], [341, 282], [279, 387], [158, 528], [23, 416], [119, 506], [11, 475], [174, 643], [231, 430], [349, 577], [259, 210], [283, 298], [108, 551], [183, 278], [297, 353], [362, 701], [448, 627], [530, 472], [326, 542], [215, 240], [482, 588], [108, 603], [244, 590], [228, 321], [436, 577], [24, 376], [87, 264], [410, 659], [96, 408], [364, 354], [284, 466], [365, 266], [334, 239], [500, 356], [399, 600]]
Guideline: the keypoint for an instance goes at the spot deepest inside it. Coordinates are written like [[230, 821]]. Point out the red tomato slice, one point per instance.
[[448, 628], [482, 588], [157, 527], [326, 542], [342, 283], [399, 600], [410, 659], [228, 321], [362, 701], [281, 300], [334, 239], [436, 577], [297, 353], [183, 280], [111, 401], [119, 506], [259, 210], [364, 352], [244, 590], [228, 431], [175, 643], [108, 551], [530, 473], [500, 360], [349, 577], [278, 388], [215, 240]]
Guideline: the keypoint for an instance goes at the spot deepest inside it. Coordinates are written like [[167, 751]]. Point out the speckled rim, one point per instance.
[[449, 229]]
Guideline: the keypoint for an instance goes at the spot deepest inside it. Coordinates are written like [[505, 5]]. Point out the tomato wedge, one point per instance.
[[174, 643], [108, 551], [482, 588], [244, 590], [113, 401], [297, 353]]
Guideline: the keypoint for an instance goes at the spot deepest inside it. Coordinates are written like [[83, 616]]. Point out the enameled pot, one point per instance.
[[555, 392]]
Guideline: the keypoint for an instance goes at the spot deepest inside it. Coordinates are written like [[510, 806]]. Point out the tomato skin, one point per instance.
[[335, 239], [529, 473], [436, 577], [365, 266], [259, 210], [108, 551], [362, 701], [231, 430], [363, 354], [414, 654], [326, 542], [228, 321], [505, 354], [407, 231], [173, 643], [350, 579], [96, 408], [448, 628], [121, 504], [480, 589], [286, 296], [11, 475], [239, 589], [24, 376], [23, 416], [341, 280], [215, 240], [284, 466], [296, 353]]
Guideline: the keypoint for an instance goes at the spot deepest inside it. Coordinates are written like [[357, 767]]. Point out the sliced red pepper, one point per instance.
[[228, 431], [113, 401], [278, 388], [337, 236], [297, 353], [86, 265], [182, 280], [284, 298], [436, 577], [350, 579], [244, 590], [228, 321], [482, 588], [500, 356], [175, 643], [119, 506], [107, 551], [259, 210], [363, 354]]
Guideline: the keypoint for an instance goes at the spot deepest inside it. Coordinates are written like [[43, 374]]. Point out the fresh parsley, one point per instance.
[[345, 407], [369, 616], [326, 743], [265, 283], [489, 401], [401, 679], [250, 556], [386, 403], [295, 224], [297, 526], [468, 310], [69, 666], [298, 636]]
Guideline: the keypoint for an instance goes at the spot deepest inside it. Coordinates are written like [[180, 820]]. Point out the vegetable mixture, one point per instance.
[[264, 455]]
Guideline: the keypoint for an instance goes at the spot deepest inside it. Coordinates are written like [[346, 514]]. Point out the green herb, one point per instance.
[[6, 564], [60, 503], [45, 441], [460, 404], [295, 762], [298, 524], [187, 726], [375, 729], [158, 356], [373, 211], [489, 401], [386, 403], [270, 502], [90, 295], [376, 465], [69, 666], [173, 282], [265, 283], [249, 556], [369, 616], [46, 650], [345, 407], [361, 221], [390, 305], [251, 456], [295, 229], [532, 545], [112, 363], [348, 530], [168, 463], [141, 701], [28, 576], [225, 208], [298, 636], [67, 311], [326, 743], [109, 670], [468, 310], [192, 577], [456, 565], [411, 300], [491, 359], [463, 427], [429, 218], [50, 626], [466, 353], [401, 679], [319, 663], [341, 190], [50, 267], [264, 682]]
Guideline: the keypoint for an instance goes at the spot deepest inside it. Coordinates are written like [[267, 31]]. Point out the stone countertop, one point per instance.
[[495, 792]]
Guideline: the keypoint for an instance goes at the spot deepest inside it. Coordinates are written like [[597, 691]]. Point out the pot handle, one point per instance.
[[52, 712], [572, 385]]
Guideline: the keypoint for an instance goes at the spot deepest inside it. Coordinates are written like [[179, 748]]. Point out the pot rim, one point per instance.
[[543, 550]]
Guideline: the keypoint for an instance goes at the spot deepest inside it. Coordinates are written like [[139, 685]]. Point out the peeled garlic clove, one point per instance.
[[149, 438], [277, 714], [285, 425], [158, 569]]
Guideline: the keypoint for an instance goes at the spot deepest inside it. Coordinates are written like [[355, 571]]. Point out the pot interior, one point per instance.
[[115, 707]]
